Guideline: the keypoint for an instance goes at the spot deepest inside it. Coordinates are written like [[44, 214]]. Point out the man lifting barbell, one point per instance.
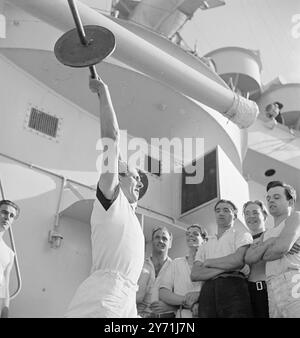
[[116, 235]]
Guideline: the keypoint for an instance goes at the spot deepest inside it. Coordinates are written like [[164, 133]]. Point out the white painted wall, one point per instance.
[[179, 247], [20, 27], [101, 5], [160, 15], [74, 155], [237, 61], [231, 186], [49, 276]]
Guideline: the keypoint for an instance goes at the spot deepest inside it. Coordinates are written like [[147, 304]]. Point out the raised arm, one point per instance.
[[285, 241], [110, 135]]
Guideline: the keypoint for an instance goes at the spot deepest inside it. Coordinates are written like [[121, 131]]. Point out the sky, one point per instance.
[[270, 26]]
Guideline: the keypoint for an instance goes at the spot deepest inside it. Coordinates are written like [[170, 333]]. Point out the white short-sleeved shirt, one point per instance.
[[117, 260], [118, 242], [6, 257], [178, 278], [287, 263], [153, 284], [227, 244]]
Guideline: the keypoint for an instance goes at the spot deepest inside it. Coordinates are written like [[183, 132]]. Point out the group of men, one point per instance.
[[243, 274], [220, 263], [122, 283]]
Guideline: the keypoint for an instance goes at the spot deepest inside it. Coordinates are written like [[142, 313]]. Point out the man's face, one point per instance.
[[193, 237], [224, 215], [277, 202], [161, 241], [273, 110], [254, 218], [7, 216], [130, 183]]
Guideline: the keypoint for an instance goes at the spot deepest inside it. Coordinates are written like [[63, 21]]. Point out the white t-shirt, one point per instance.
[[6, 256], [287, 262], [118, 242], [227, 244]]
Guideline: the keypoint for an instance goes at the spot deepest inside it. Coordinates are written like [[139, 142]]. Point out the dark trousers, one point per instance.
[[225, 297], [259, 299]]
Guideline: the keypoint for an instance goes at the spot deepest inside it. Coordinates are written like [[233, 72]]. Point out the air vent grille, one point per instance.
[[42, 122]]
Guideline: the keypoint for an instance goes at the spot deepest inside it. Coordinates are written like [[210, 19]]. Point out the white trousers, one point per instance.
[[284, 295], [105, 294]]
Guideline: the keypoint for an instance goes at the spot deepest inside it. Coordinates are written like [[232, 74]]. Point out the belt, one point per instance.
[[231, 274], [259, 285], [162, 315]]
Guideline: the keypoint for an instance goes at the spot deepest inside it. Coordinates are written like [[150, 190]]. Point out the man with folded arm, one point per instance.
[[220, 264]]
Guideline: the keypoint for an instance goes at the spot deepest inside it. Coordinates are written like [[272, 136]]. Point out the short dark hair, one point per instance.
[[290, 192], [279, 104], [12, 204], [260, 204], [156, 228], [203, 232], [235, 209]]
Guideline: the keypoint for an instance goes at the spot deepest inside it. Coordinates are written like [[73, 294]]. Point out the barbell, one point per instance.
[[84, 46]]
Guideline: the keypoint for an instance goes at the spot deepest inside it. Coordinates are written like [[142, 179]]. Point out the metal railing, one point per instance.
[[67, 182]]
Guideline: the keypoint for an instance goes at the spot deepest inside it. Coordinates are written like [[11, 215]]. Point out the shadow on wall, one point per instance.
[[49, 276]]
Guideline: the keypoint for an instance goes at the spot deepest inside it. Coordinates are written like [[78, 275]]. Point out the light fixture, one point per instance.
[[55, 238]]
